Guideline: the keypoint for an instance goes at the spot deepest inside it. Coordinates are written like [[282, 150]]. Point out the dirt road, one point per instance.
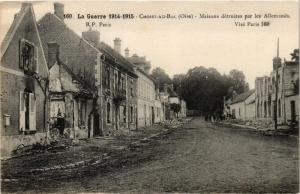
[[199, 157]]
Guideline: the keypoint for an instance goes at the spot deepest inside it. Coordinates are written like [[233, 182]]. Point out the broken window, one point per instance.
[[131, 114], [124, 114], [28, 57], [107, 77], [82, 112], [131, 87]]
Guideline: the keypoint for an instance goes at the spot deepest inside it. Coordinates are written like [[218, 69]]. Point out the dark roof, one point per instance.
[[147, 75], [120, 60], [109, 52], [25, 11], [84, 89], [292, 62], [78, 54], [173, 94], [242, 97]]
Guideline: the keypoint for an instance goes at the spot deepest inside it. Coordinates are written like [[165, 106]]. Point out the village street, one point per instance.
[[198, 157]]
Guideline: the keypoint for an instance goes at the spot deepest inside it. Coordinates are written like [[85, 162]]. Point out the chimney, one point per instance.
[[53, 53], [126, 52], [25, 4], [117, 45], [92, 36], [59, 10]]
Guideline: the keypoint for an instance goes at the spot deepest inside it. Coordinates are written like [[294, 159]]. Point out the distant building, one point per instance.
[[159, 114], [287, 93], [146, 99], [149, 106], [183, 110], [140, 62], [24, 76], [242, 106], [169, 98], [118, 88], [164, 98]]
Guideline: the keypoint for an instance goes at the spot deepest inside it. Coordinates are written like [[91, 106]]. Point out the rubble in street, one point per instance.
[[67, 154], [265, 127]]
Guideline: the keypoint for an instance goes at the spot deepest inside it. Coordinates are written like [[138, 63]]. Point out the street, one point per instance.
[[198, 157]]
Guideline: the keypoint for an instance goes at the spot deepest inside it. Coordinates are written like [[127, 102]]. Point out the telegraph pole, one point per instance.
[[276, 64]]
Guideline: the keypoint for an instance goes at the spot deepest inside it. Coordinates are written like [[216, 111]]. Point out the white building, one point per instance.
[[149, 107], [243, 106]]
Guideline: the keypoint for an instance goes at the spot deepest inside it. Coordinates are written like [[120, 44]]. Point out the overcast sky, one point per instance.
[[178, 45]]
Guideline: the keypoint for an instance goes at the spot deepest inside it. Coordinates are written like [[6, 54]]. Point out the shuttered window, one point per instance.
[[36, 54], [27, 123]]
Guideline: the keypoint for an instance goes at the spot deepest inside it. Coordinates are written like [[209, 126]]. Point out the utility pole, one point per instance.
[[276, 64]]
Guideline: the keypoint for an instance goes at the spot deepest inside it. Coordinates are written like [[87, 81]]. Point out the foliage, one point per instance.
[[295, 55], [237, 81], [161, 77], [204, 88], [177, 83]]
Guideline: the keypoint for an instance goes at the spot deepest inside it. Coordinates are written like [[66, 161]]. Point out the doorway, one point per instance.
[[293, 111], [97, 131], [153, 115], [26, 111]]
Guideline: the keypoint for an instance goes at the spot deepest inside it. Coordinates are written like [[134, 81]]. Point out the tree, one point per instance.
[[177, 83], [204, 88], [295, 55], [176, 108], [161, 77], [237, 81]]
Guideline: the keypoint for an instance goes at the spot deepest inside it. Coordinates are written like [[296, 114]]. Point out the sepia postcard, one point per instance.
[[149, 96]]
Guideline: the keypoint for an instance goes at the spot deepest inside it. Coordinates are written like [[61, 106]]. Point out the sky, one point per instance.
[[178, 45]]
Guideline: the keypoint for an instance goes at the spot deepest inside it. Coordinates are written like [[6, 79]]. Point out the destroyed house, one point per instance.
[[24, 79]]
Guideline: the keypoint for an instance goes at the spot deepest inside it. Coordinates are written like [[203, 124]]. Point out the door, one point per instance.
[[145, 115], [293, 111], [22, 112], [97, 131], [32, 112], [27, 111], [153, 115], [117, 117]]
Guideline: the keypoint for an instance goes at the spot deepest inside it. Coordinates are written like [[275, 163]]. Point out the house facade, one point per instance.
[[118, 87], [146, 99], [71, 100], [79, 56], [159, 114], [183, 109], [149, 108], [286, 75], [243, 106], [24, 80], [119, 93]]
